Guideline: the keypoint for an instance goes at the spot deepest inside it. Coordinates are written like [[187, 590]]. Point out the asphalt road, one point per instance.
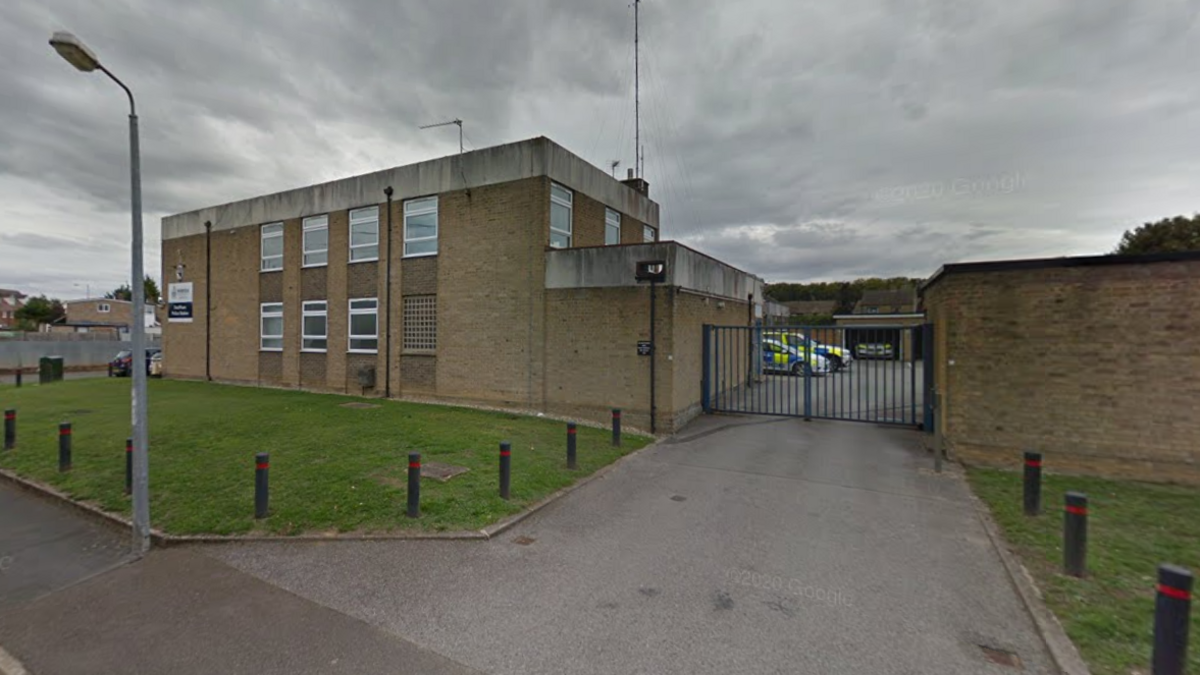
[[773, 547]]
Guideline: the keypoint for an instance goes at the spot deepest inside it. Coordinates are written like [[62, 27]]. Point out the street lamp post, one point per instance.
[[77, 54]]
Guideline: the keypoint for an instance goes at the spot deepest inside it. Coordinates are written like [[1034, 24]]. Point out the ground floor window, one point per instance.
[[271, 327], [364, 325], [314, 326]]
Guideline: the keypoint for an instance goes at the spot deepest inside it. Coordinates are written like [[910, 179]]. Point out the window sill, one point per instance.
[[364, 260], [313, 351], [362, 351], [270, 349], [418, 255], [418, 352], [324, 264], [277, 269]]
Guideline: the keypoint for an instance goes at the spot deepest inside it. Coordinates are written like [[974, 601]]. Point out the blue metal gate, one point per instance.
[[880, 374]]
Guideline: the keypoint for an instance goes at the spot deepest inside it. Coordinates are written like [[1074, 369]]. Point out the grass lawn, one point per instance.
[[1132, 527], [332, 468]]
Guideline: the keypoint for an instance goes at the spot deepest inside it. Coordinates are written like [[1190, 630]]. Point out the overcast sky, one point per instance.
[[797, 140]]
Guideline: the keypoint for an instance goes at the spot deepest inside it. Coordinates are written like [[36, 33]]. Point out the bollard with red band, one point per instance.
[[262, 464], [1033, 483], [414, 485], [10, 429], [570, 445], [505, 468], [1075, 534], [1172, 609], [128, 465], [616, 421], [64, 447]]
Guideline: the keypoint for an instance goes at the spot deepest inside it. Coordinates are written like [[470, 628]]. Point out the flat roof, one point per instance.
[[486, 166], [1050, 263]]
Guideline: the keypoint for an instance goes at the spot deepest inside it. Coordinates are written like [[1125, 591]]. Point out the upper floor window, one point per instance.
[[649, 233], [421, 226], [272, 247], [560, 216], [103, 308], [612, 227], [364, 234], [316, 241]]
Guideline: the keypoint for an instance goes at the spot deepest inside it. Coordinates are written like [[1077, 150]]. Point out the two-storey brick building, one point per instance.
[[503, 275]]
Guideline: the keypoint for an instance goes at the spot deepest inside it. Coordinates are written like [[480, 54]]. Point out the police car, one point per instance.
[[780, 358], [838, 357]]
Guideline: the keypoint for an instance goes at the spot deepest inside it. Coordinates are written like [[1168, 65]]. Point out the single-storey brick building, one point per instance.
[[502, 276], [1091, 360]]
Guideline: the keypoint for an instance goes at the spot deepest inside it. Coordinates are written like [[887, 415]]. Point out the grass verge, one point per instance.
[[1132, 528], [333, 469]]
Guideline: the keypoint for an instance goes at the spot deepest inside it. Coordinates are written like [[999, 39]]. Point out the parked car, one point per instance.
[[875, 350], [122, 363], [838, 357], [780, 358], [156, 365]]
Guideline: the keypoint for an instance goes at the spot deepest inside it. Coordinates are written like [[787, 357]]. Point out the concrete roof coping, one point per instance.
[[486, 166], [1050, 263]]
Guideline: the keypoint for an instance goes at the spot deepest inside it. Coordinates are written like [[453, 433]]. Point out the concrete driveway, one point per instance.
[[772, 546]]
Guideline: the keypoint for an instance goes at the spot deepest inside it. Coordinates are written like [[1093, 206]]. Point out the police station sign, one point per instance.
[[179, 302]]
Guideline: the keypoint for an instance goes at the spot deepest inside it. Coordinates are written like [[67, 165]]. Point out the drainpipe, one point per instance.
[[207, 300], [653, 356], [387, 301]]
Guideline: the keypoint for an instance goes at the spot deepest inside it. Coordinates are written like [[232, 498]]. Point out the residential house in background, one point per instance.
[[811, 307], [10, 301], [104, 315]]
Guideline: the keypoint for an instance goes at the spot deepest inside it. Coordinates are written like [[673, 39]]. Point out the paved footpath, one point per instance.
[[776, 546], [71, 603]]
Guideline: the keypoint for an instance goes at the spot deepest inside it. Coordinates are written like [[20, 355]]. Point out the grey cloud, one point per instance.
[[770, 127]]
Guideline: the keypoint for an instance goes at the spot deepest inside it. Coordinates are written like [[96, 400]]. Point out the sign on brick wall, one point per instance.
[[179, 302]]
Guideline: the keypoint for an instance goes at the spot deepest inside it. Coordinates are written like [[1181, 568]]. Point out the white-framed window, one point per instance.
[[316, 241], [420, 227], [649, 233], [364, 325], [560, 216], [272, 247], [364, 234], [104, 308], [612, 227], [420, 322], [314, 325], [271, 327]]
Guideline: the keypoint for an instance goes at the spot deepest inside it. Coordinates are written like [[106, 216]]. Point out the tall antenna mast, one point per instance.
[[444, 124], [637, 101]]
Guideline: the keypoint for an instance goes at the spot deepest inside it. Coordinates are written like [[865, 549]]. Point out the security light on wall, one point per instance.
[[651, 270]]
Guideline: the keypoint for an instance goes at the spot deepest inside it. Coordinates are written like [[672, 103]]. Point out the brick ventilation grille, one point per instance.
[[420, 322]]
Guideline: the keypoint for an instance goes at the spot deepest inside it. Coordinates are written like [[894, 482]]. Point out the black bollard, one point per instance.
[[1033, 483], [414, 485], [1172, 608], [616, 421], [128, 466], [262, 465], [570, 445], [10, 429], [64, 447], [1075, 534], [505, 468]]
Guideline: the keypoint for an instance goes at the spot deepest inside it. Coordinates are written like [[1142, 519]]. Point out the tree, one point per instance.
[[1169, 234], [124, 292], [39, 310]]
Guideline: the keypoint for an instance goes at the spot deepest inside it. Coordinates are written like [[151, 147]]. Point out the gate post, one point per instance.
[[706, 368], [927, 373]]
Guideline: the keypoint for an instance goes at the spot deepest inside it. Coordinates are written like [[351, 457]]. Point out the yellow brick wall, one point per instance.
[[1096, 367]]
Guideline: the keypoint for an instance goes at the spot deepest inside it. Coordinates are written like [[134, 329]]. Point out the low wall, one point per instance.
[[76, 353]]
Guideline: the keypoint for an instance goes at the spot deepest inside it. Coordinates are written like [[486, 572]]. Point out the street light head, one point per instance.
[[75, 52]]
